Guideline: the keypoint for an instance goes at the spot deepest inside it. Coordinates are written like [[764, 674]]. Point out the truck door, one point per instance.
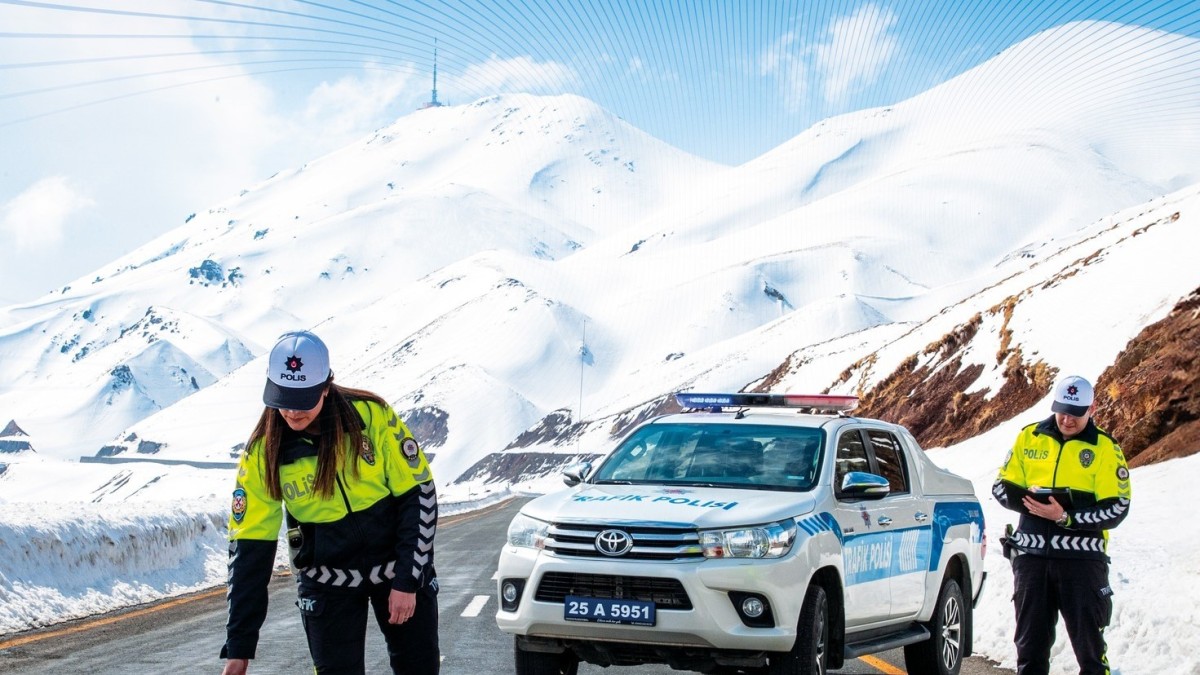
[[911, 515], [866, 549]]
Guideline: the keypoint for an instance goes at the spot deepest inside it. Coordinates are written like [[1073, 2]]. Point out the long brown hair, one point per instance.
[[341, 438]]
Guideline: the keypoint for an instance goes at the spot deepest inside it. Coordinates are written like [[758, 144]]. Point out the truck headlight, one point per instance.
[[527, 532], [764, 541]]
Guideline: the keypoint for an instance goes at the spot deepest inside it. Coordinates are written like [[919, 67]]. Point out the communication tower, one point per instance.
[[434, 102]]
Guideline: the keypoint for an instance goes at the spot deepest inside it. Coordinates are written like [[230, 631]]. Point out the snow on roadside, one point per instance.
[[68, 561]]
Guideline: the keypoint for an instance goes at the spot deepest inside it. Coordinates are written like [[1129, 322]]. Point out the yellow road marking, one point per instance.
[[17, 642], [94, 623], [881, 665]]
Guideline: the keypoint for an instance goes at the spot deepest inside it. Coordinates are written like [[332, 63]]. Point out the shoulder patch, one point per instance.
[[238, 508], [409, 448], [1122, 473], [367, 451]]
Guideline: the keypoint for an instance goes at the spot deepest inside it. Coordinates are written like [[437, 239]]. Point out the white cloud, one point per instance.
[[157, 137], [519, 74], [36, 218], [357, 103], [855, 52], [858, 50], [639, 71], [789, 68]]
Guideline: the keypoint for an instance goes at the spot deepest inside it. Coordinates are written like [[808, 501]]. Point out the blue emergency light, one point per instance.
[[824, 402]]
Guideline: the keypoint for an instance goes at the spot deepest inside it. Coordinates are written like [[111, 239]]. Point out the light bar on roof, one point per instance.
[[822, 401], [829, 402]]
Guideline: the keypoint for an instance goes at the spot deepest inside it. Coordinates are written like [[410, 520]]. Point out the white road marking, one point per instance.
[[476, 606]]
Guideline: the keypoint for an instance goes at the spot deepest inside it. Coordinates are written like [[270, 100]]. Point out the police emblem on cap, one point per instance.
[[1086, 457], [294, 363], [239, 505], [409, 448]]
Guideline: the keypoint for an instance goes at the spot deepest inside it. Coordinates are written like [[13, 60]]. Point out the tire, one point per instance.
[[809, 656], [542, 663], [942, 653]]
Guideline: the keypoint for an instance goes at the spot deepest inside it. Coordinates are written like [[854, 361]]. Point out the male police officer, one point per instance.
[[1059, 550]]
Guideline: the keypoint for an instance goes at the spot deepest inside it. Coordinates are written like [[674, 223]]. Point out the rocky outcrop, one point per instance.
[[430, 424], [1150, 397], [518, 467], [929, 393]]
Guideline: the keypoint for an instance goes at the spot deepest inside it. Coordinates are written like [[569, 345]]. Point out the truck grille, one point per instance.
[[664, 593], [649, 543]]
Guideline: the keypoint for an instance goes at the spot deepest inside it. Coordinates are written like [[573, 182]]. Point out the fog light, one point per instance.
[[753, 607], [510, 593]]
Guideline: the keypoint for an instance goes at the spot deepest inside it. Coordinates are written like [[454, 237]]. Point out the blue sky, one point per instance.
[[118, 119]]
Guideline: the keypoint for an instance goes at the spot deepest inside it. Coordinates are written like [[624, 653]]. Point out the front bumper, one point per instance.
[[712, 621]]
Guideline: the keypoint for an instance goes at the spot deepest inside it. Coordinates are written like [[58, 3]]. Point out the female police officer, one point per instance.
[[361, 509]]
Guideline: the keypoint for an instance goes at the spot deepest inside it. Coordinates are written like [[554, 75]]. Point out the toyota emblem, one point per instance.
[[614, 542]]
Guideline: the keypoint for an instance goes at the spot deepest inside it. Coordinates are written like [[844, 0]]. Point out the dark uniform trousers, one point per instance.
[[335, 622], [1043, 588]]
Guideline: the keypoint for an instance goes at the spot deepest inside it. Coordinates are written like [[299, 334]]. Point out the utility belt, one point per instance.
[[1053, 545], [1007, 544], [350, 578], [333, 576]]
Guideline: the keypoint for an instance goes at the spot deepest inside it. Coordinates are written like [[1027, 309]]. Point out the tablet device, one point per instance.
[[1017, 494]]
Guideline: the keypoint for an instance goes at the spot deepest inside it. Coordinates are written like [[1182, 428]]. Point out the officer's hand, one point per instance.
[[236, 667], [1050, 511], [401, 605]]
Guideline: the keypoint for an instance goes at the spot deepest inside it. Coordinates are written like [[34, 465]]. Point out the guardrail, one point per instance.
[[154, 460]]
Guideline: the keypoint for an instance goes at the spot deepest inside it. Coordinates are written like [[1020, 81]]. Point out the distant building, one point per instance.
[[12, 439]]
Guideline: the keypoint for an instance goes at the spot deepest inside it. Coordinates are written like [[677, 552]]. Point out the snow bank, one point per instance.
[[60, 562], [66, 563]]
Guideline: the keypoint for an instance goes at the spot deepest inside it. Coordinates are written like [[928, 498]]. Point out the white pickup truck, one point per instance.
[[751, 533]]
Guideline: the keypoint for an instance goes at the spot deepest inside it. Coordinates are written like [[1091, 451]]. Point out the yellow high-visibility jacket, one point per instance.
[[376, 528], [1091, 465]]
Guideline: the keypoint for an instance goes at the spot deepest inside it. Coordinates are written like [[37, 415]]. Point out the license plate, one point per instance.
[[608, 610]]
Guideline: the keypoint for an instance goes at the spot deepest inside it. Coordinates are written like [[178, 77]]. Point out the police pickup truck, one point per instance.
[[750, 533]]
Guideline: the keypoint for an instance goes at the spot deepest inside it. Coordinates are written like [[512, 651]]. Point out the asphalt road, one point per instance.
[[185, 635]]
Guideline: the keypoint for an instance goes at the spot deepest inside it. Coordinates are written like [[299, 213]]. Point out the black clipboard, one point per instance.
[[1016, 496]]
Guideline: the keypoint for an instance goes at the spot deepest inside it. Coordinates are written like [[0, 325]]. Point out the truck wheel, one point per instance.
[[942, 653], [542, 663], [808, 655]]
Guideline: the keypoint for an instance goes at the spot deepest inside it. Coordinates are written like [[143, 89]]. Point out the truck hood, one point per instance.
[[701, 507]]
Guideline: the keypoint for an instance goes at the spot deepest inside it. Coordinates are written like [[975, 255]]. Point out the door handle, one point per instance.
[[921, 517], [884, 521]]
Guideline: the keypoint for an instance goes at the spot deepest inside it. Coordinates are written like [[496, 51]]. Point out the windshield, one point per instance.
[[736, 455]]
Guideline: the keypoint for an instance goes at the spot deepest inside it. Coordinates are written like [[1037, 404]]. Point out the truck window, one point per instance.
[[738, 455], [890, 459], [851, 456]]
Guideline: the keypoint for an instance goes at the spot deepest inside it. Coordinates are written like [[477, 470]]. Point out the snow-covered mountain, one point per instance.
[[526, 277], [538, 178], [533, 267]]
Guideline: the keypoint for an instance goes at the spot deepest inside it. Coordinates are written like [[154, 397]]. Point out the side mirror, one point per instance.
[[576, 473], [865, 485]]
